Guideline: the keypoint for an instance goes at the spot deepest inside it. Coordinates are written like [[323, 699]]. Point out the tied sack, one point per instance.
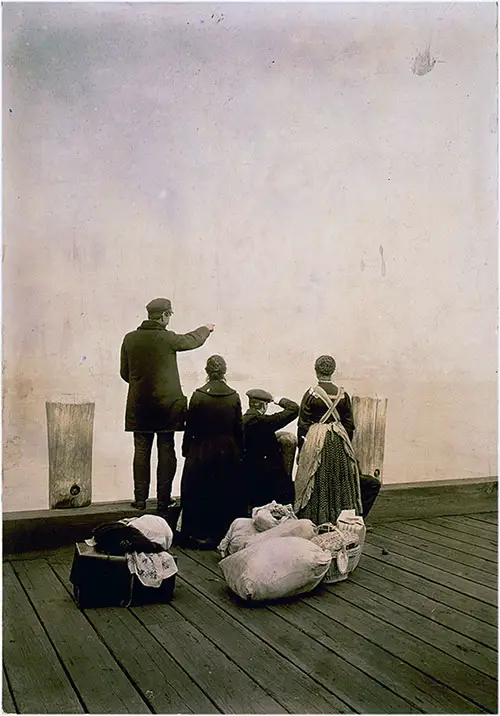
[[290, 528], [238, 535], [275, 568], [242, 533], [271, 515]]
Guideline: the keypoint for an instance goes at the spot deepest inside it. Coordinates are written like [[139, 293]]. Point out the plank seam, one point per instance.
[[118, 662], [283, 656], [459, 522], [51, 642], [239, 666], [137, 617], [446, 571], [108, 648], [429, 551], [11, 692], [432, 581], [461, 548], [422, 616], [423, 525], [413, 666], [341, 656], [436, 601], [452, 688], [409, 664], [480, 517], [65, 562]]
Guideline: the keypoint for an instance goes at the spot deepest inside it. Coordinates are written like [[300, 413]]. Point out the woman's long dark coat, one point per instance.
[[211, 490]]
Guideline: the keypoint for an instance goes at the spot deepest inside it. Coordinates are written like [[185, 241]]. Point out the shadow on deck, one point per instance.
[[414, 630]]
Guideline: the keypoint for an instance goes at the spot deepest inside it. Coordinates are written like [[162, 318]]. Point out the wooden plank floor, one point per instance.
[[414, 630]]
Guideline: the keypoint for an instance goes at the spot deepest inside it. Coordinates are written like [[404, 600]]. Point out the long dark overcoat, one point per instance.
[[211, 487], [265, 474], [155, 402]]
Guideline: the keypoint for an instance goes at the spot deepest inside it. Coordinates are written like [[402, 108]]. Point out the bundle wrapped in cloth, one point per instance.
[[271, 515], [267, 522], [151, 569], [238, 536], [276, 568], [274, 554], [144, 542]]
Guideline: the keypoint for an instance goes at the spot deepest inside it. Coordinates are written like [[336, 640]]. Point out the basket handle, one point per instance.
[[332, 528], [326, 527]]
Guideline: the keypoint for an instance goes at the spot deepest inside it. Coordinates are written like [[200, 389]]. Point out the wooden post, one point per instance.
[[369, 437], [70, 432], [288, 443]]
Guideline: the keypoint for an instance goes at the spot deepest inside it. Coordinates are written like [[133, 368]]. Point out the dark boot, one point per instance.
[[138, 504]]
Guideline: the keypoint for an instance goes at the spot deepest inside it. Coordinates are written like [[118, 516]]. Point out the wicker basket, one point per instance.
[[330, 538], [345, 553], [353, 555]]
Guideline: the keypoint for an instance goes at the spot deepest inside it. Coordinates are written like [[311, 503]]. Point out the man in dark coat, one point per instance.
[[155, 402], [265, 473]]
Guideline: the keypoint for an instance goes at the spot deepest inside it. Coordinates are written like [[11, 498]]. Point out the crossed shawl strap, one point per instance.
[[337, 426], [320, 392], [310, 455]]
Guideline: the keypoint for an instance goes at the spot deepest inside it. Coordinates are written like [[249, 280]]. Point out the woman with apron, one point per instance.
[[327, 479]]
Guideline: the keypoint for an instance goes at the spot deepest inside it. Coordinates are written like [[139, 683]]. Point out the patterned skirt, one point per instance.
[[336, 484]]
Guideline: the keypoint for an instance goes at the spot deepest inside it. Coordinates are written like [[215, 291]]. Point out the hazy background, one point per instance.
[[279, 170]]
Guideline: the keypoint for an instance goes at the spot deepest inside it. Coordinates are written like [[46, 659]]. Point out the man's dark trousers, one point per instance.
[[165, 472]]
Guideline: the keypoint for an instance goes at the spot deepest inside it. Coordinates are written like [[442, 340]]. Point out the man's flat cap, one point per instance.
[[159, 304], [259, 394]]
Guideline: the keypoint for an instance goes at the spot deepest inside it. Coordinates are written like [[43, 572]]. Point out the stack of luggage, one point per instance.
[[273, 554], [125, 563]]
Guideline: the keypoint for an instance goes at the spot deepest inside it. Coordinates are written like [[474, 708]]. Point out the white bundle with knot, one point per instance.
[[276, 568], [271, 515]]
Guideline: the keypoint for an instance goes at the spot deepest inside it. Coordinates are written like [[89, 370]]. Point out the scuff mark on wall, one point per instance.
[[383, 268], [423, 62], [23, 387], [12, 452]]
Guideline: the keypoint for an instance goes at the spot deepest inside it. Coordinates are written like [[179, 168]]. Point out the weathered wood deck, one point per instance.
[[414, 630]]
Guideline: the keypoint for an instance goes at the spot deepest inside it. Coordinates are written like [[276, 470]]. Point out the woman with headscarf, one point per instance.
[[211, 488], [327, 479]]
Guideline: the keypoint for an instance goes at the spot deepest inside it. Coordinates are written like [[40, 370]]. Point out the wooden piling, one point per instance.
[[369, 437], [70, 433]]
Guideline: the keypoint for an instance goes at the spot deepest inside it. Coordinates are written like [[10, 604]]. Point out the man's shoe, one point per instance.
[[138, 504]]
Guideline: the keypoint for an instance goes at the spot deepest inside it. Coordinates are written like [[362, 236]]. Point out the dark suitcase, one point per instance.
[[101, 580]]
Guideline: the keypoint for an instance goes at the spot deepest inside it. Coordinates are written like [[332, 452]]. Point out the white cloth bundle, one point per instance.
[[271, 515], [242, 533], [275, 568], [153, 527], [152, 568], [239, 533]]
